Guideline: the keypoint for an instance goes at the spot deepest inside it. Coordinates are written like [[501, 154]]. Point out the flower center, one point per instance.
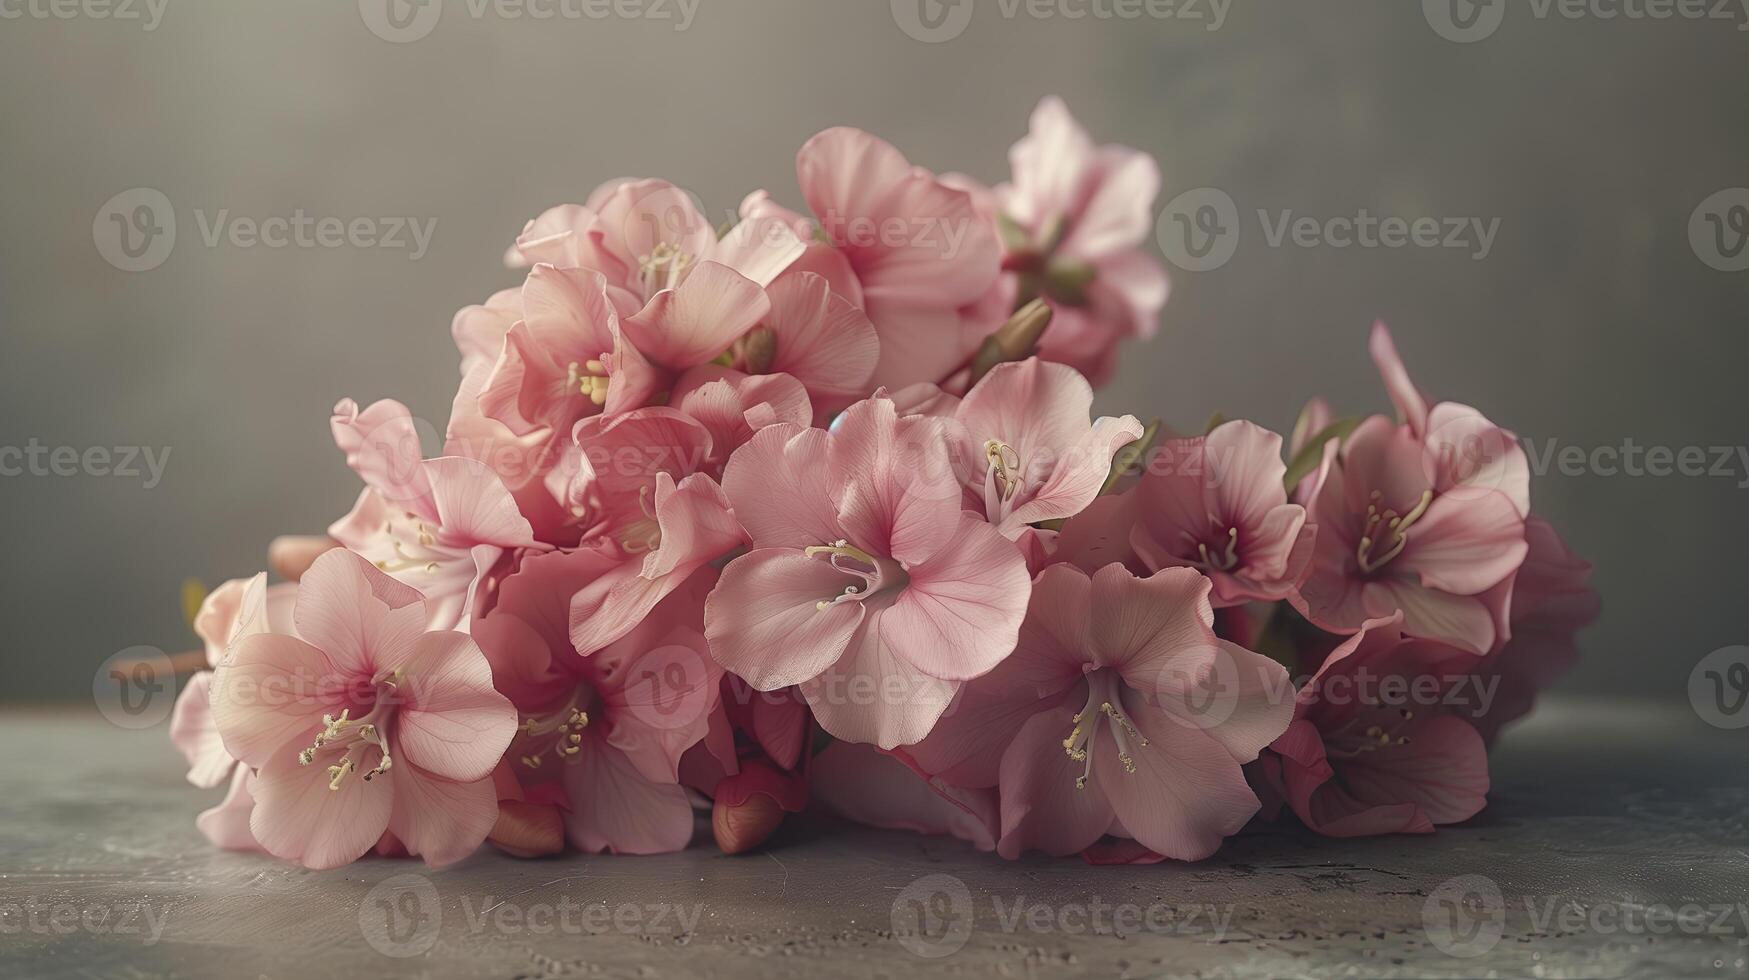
[[558, 733], [662, 269], [354, 742], [415, 547], [643, 533], [1387, 529], [1103, 701], [1222, 560], [1002, 478], [590, 379], [1381, 732], [877, 574]]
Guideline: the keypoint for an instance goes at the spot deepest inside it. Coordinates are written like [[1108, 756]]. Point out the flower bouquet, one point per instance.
[[809, 508]]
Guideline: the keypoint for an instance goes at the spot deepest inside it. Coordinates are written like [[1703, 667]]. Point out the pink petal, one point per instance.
[[454, 724], [826, 343], [1462, 621], [615, 808], [1187, 793], [893, 482], [441, 820], [381, 444], [197, 737], [698, 320], [868, 787], [874, 695], [1411, 405], [1443, 770], [227, 825], [269, 691], [1041, 808], [765, 623], [781, 488], [1465, 546], [960, 614], [473, 507], [298, 818], [347, 608]]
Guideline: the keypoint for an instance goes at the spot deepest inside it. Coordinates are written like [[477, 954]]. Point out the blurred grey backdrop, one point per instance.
[[1593, 319]]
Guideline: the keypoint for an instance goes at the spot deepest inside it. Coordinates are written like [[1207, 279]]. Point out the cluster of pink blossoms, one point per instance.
[[739, 516]]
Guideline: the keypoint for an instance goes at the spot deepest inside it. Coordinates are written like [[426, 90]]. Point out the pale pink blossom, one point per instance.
[[866, 584], [1359, 760], [1119, 712], [645, 501], [609, 728], [917, 250], [364, 725], [1216, 503], [1426, 516], [439, 525], [1075, 218], [1027, 448]]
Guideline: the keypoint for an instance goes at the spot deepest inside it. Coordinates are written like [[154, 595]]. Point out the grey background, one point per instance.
[[1593, 320]]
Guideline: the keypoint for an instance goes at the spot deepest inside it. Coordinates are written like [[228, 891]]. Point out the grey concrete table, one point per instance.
[[1616, 845]]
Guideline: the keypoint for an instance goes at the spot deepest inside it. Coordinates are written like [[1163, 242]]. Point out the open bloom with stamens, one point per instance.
[[609, 728], [1119, 712], [1026, 445], [363, 724], [1216, 503], [564, 360], [1426, 516], [867, 585], [685, 293], [438, 525], [1364, 756]]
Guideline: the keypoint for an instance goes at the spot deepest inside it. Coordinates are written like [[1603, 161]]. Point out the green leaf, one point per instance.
[[1306, 460]]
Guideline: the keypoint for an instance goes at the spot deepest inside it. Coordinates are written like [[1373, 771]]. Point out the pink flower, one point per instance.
[[1217, 504], [609, 728], [646, 505], [814, 335], [1365, 755], [238, 608], [1551, 602], [565, 359], [685, 294], [866, 584], [1426, 516], [1102, 721], [899, 242], [362, 691], [1028, 448], [1075, 218], [438, 525]]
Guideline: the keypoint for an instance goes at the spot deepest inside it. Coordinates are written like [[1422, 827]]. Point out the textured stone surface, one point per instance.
[[1617, 807]]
